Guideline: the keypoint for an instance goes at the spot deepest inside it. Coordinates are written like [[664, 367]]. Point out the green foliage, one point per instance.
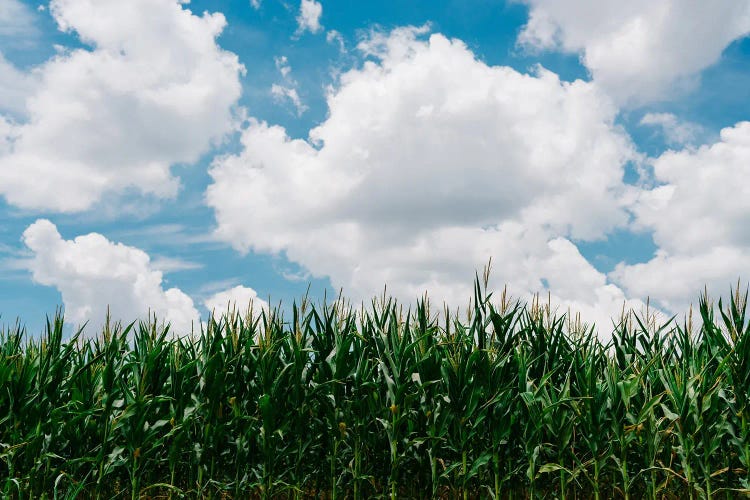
[[381, 402]]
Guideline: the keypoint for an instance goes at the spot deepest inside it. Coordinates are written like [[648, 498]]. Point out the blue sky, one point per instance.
[[173, 157]]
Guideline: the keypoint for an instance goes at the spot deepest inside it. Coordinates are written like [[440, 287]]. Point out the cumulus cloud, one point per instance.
[[638, 50], [698, 213], [239, 298], [674, 281], [309, 16], [93, 273], [153, 89], [429, 163]]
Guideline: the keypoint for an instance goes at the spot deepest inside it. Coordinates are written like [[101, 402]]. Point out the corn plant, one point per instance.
[[502, 400]]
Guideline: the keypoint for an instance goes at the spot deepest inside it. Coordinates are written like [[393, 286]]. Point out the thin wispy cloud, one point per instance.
[[286, 91], [676, 132], [16, 22]]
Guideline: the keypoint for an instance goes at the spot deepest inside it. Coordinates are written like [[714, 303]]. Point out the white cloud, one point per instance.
[[93, 273], [674, 281], [154, 90], [16, 20], [333, 36], [699, 217], [7, 130], [173, 264], [281, 94], [255, 4], [282, 64], [638, 50], [15, 87], [676, 132], [238, 298], [288, 90], [309, 16], [429, 163], [703, 199]]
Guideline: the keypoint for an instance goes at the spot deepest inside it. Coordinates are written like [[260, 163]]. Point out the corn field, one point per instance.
[[502, 400]]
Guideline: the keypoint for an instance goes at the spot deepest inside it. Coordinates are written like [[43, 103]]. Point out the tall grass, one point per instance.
[[505, 400]]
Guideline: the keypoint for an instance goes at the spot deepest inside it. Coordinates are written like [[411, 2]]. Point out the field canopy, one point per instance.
[[504, 398]]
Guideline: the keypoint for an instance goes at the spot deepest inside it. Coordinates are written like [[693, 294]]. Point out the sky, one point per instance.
[[173, 157]]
